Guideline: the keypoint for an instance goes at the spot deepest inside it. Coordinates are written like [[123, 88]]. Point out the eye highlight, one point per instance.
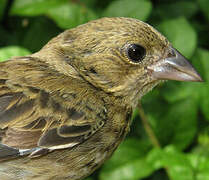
[[135, 53]]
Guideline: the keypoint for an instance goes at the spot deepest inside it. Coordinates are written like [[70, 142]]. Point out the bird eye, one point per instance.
[[136, 53]]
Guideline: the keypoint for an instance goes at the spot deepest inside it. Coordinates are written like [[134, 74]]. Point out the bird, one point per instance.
[[65, 109]]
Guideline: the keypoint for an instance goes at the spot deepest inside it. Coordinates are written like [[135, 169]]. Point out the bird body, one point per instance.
[[65, 109]]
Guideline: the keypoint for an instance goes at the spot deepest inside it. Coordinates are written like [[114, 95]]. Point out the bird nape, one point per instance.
[[65, 109]]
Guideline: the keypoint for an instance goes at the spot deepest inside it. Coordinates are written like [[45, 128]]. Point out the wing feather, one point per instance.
[[51, 115]]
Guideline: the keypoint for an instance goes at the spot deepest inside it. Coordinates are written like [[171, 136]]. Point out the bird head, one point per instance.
[[124, 57]]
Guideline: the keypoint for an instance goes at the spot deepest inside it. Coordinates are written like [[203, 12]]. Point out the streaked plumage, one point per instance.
[[65, 109]]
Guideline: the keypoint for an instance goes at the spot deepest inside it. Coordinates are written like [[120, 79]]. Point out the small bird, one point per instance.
[[65, 109]]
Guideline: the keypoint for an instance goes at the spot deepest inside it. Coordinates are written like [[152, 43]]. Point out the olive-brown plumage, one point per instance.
[[65, 109]]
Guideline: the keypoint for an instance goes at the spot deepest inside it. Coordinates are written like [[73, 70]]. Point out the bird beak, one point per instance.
[[174, 68]]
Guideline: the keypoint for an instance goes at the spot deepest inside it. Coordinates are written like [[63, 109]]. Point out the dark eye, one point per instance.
[[136, 53]]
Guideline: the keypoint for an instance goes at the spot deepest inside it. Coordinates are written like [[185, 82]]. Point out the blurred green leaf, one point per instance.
[[176, 91], [200, 164], [181, 34], [177, 164], [2, 6], [69, 15], [204, 6], [183, 117], [4, 37], [201, 62], [155, 114], [170, 121], [181, 166], [90, 3], [12, 51], [43, 30], [204, 100], [138, 168], [34, 7], [88, 178], [126, 8], [203, 138], [176, 9], [128, 162], [135, 114]]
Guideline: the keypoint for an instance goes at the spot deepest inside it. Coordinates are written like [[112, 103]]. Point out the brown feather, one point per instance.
[[21, 139], [28, 107]]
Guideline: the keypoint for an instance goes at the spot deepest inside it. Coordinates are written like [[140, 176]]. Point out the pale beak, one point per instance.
[[174, 68]]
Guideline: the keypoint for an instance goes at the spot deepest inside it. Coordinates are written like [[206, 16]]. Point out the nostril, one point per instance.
[[171, 53]]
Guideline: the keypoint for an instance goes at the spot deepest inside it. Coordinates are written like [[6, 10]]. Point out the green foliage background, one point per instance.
[[178, 112]]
